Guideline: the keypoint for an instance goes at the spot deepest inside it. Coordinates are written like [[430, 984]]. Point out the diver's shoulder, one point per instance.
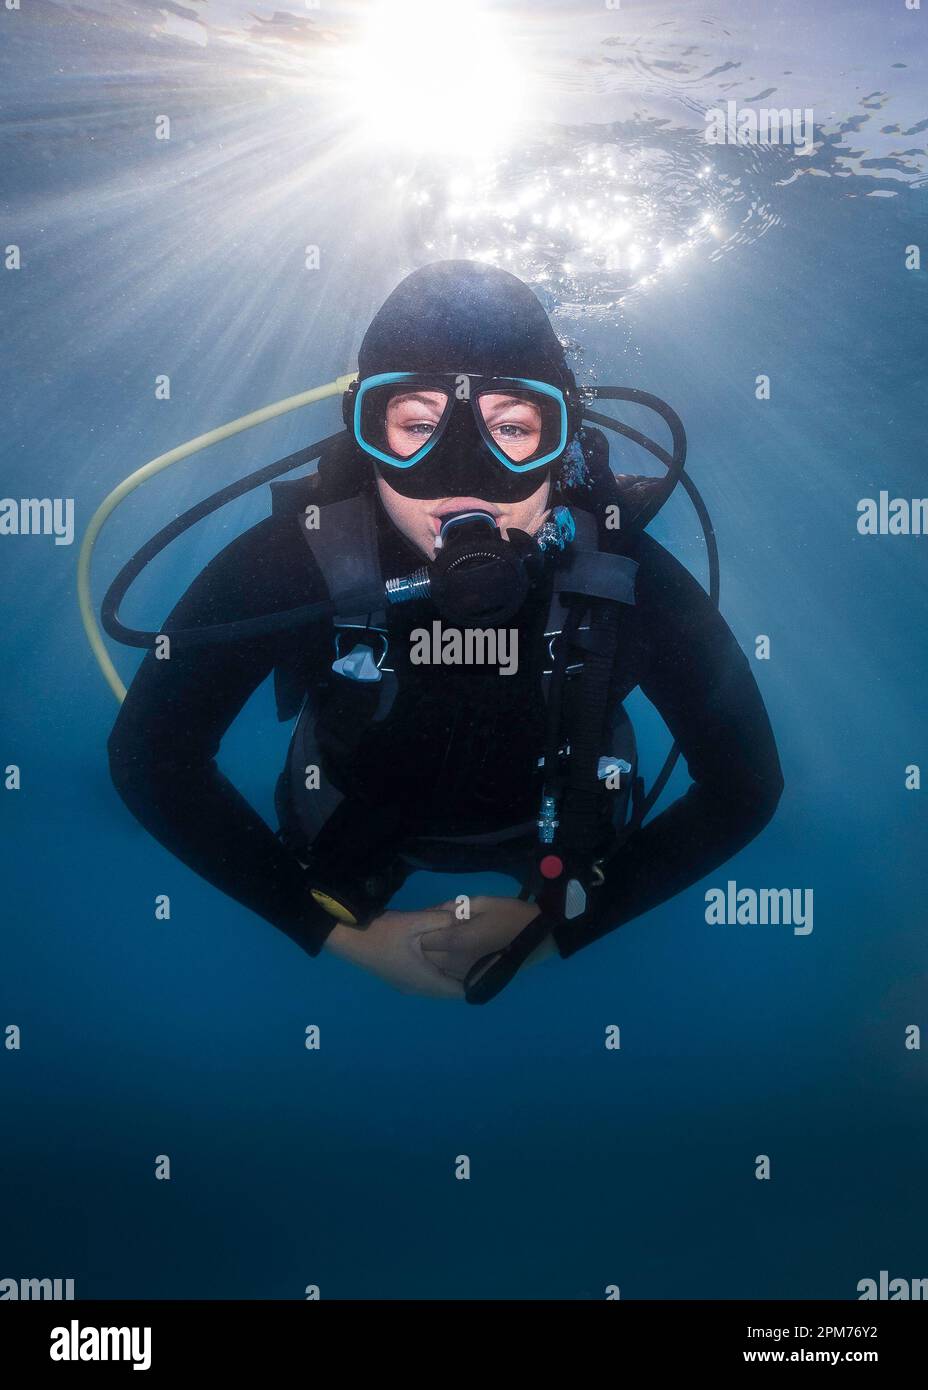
[[342, 474], [662, 580], [612, 514], [635, 493]]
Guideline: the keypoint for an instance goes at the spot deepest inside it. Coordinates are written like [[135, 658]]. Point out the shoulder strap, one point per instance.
[[597, 574], [587, 570], [607, 582], [344, 545], [345, 548]]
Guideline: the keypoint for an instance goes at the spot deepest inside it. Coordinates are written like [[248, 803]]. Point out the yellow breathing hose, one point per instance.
[[148, 470]]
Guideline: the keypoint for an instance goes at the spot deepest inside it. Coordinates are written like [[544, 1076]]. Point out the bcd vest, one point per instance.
[[368, 777]]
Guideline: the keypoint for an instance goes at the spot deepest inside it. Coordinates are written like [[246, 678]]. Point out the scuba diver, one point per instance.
[[466, 499]]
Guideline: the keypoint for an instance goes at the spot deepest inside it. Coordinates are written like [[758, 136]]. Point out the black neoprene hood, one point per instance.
[[472, 319], [464, 316]]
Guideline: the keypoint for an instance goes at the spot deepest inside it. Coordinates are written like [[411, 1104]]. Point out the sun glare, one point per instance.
[[437, 75]]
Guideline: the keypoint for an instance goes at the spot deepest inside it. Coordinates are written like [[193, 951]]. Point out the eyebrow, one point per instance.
[[418, 396], [508, 402]]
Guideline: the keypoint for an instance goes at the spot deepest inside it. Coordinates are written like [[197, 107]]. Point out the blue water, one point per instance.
[[139, 1038]]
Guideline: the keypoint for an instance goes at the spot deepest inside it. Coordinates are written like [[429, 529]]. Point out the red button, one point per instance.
[[551, 866]]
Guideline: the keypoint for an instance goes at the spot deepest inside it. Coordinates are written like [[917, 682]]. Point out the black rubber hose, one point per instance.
[[133, 637], [674, 462]]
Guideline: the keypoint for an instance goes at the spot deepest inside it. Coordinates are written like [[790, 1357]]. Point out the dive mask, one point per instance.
[[447, 434]]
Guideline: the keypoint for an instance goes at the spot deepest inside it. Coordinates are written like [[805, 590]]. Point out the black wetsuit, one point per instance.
[[675, 646]]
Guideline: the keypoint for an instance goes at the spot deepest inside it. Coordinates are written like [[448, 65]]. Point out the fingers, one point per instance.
[[475, 905], [443, 962], [450, 968], [440, 938], [432, 918], [452, 951], [447, 949], [429, 964], [438, 957]]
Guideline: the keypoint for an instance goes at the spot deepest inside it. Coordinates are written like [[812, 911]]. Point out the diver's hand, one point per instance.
[[390, 949], [493, 923]]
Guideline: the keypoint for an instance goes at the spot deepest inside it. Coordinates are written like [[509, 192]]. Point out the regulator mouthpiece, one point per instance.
[[473, 520], [478, 577]]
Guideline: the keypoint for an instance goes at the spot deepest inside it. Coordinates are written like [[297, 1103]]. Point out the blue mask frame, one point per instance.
[[524, 383]]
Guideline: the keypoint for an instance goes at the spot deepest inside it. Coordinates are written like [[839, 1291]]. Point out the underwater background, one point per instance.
[[680, 267]]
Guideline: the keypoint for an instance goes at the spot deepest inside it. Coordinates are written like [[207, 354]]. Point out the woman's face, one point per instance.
[[515, 425]]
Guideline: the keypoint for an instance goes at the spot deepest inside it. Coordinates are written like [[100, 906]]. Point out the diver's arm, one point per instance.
[[699, 680], [163, 746]]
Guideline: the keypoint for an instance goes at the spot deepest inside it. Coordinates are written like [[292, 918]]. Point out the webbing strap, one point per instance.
[[344, 546], [596, 574], [585, 540]]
